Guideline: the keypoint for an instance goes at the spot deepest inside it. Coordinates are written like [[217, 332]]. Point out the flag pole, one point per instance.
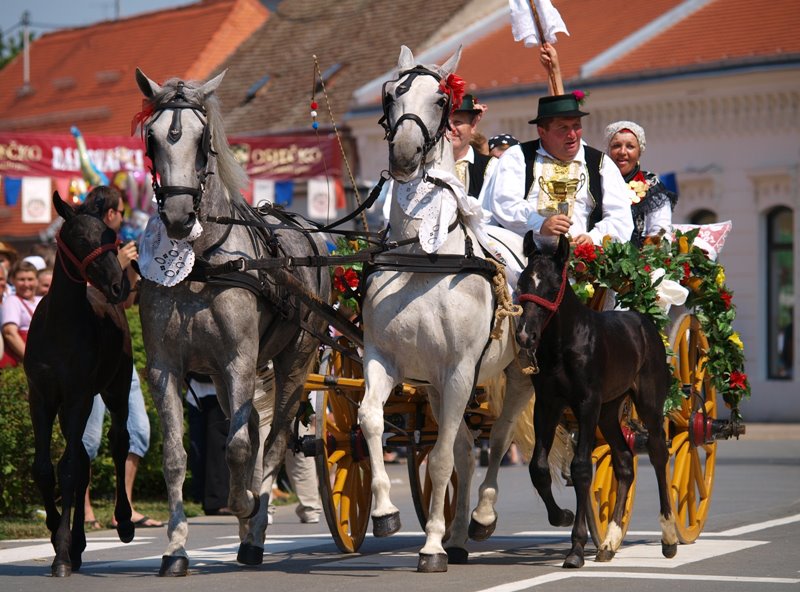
[[555, 81]]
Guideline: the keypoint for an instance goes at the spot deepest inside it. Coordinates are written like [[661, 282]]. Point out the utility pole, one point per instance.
[[26, 58]]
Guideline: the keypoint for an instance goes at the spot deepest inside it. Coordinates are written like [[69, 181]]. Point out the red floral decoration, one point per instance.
[[738, 380], [726, 298], [587, 252], [580, 96], [687, 271], [344, 279], [454, 86]]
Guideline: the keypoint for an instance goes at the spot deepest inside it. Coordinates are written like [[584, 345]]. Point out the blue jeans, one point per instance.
[[138, 422]]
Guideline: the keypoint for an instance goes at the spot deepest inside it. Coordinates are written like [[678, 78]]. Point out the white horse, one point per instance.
[[433, 326]]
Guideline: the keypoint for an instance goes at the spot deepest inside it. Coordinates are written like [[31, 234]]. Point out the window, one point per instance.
[[780, 293], [703, 217]]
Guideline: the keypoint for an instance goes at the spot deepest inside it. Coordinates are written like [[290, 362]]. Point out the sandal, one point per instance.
[[92, 525]]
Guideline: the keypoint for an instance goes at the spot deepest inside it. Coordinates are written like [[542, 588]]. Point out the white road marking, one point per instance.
[[45, 550], [558, 576], [748, 528]]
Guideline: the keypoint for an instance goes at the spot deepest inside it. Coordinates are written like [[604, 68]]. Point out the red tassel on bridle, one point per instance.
[[454, 86], [142, 116]]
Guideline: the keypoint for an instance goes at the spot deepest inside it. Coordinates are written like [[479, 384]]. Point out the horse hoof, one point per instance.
[[126, 531], [383, 526], [457, 555], [250, 554], [604, 555], [573, 562], [432, 563], [479, 532], [669, 551], [174, 566], [564, 518], [61, 569]]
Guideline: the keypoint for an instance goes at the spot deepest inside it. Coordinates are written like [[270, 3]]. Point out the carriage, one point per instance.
[[693, 426], [364, 395]]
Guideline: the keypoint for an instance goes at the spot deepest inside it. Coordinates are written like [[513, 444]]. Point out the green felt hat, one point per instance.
[[468, 104], [558, 106]]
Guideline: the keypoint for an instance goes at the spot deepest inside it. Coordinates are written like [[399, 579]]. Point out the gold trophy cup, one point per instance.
[[557, 195]]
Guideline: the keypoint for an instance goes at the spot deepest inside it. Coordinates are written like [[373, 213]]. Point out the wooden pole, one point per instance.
[[555, 81]]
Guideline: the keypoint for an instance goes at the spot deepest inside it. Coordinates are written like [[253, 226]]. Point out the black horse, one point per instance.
[[588, 361], [79, 345]]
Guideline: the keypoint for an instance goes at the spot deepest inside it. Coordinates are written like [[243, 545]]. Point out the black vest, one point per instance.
[[477, 171], [593, 160]]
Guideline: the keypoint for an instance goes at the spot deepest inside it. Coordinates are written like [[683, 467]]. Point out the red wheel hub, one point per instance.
[[700, 426]]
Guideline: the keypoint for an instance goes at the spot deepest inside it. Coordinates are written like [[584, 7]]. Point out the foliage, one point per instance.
[[11, 47], [627, 270], [345, 279], [17, 491]]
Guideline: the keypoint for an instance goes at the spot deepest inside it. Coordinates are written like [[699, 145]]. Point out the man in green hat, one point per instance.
[[526, 191], [471, 165]]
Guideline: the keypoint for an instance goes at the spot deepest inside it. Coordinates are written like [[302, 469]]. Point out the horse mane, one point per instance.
[[229, 172]]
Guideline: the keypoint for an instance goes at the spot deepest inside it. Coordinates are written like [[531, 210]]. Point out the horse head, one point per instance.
[[180, 140], [87, 252], [416, 112], [541, 288]]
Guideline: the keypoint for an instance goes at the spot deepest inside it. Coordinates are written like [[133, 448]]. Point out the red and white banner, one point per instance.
[[278, 158]]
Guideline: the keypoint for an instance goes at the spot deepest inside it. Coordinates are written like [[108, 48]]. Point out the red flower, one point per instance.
[[738, 380], [580, 267], [726, 298], [647, 268], [586, 252], [344, 278], [454, 86], [687, 271]]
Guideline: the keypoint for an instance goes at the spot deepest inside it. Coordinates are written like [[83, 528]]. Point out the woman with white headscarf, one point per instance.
[[653, 203]]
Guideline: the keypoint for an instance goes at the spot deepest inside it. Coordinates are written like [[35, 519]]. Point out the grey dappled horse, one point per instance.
[[433, 327], [226, 326], [79, 345]]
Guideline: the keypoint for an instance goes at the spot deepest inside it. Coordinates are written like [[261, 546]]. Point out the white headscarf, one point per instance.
[[614, 128]]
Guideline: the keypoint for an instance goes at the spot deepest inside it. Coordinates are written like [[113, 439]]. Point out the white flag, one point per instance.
[[523, 27], [321, 199], [36, 204]]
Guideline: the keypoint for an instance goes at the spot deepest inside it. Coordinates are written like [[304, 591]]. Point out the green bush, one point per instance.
[[18, 493]]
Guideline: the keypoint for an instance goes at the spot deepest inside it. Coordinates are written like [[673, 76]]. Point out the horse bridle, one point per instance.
[[177, 104], [404, 87], [551, 305], [82, 264]]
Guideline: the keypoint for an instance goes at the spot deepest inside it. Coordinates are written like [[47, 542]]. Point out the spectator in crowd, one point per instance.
[[45, 278], [17, 313], [208, 436], [472, 166], [8, 257]]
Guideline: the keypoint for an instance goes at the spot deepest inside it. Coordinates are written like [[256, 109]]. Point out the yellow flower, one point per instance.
[[720, 276], [736, 340], [639, 190], [590, 289]]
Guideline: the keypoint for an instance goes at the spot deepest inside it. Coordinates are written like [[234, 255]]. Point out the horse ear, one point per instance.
[[64, 210], [562, 252], [209, 87], [147, 86], [529, 245], [406, 59], [450, 65]]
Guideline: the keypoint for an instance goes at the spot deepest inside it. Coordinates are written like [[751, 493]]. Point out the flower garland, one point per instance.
[[627, 270], [639, 186], [345, 279]]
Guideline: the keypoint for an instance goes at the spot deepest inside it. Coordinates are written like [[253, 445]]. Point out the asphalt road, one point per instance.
[[749, 543]]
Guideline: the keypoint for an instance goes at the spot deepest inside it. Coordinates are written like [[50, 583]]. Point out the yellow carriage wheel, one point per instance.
[[343, 465], [692, 454], [603, 493]]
